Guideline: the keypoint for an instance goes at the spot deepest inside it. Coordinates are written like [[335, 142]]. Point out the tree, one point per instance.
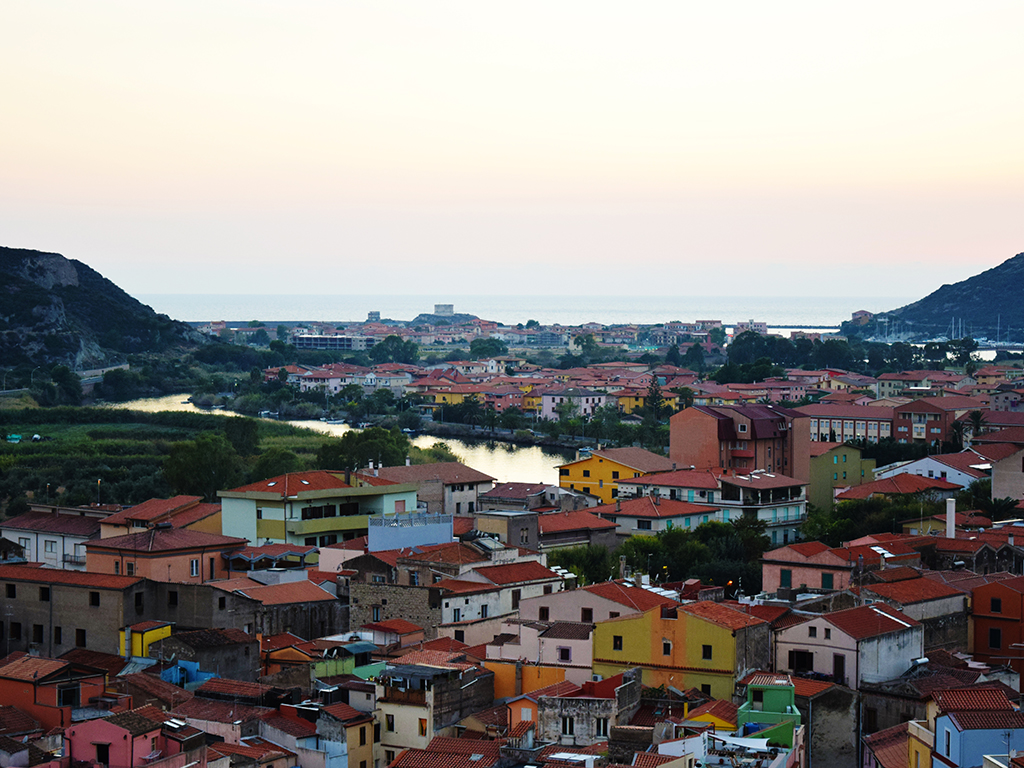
[[592, 564], [261, 338], [357, 449], [243, 434], [654, 402], [68, 385], [203, 466], [673, 357], [275, 462], [487, 348], [977, 419], [490, 418], [531, 324], [393, 350], [694, 358], [716, 335], [282, 333]]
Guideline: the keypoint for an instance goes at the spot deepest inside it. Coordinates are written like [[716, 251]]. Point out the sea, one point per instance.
[[780, 312]]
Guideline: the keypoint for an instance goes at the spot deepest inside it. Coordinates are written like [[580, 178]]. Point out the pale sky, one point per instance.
[[801, 148]]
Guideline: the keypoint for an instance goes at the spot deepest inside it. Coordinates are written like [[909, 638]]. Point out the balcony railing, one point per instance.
[[398, 696], [74, 559]]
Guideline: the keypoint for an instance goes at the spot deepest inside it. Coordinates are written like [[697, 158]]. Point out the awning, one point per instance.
[[759, 745], [361, 647]]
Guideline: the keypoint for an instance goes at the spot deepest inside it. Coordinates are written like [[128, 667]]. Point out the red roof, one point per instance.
[[294, 483], [577, 520], [870, 621], [218, 711], [634, 458], [166, 540], [152, 509], [288, 592], [516, 573], [448, 472], [910, 591], [347, 714], [987, 699], [903, 483], [625, 593], [47, 522], [889, 746], [723, 710], [722, 615], [70, 578], [239, 688], [645, 506], [398, 626]]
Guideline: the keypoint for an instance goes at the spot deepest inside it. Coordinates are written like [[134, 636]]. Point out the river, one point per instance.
[[504, 462]]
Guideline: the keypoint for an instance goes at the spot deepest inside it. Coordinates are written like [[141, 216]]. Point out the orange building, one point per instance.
[[164, 554], [49, 689]]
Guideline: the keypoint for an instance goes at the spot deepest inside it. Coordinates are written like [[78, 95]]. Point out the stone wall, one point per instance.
[[420, 605]]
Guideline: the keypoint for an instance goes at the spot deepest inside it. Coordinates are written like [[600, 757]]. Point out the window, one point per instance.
[[37, 633], [785, 578], [94, 599], [601, 726], [362, 736], [705, 652], [586, 473], [741, 427], [827, 581], [80, 638], [423, 726], [139, 597], [172, 597], [129, 569], [812, 631], [44, 594], [414, 578], [616, 642], [516, 593], [828, 636], [643, 525], [996, 605], [457, 614], [24, 543], [389, 723], [389, 756], [375, 612], [706, 689], [12, 591], [15, 633], [222, 603], [615, 474], [666, 648], [947, 742], [460, 635], [995, 638], [376, 733], [483, 611], [547, 589], [50, 546], [58, 636], [564, 654], [193, 567], [568, 725], [103, 753], [117, 568], [543, 614], [587, 615]]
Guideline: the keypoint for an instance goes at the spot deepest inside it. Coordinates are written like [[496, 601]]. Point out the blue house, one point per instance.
[[972, 722]]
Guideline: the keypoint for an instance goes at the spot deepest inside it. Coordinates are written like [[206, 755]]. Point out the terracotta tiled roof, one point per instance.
[[158, 688], [903, 483], [293, 726], [645, 506], [461, 586], [15, 722], [899, 573], [987, 699], [294, 483], [723, 710], [802, 687], [988, 721], [575, 520], [449, 644], [522, 728], [870, 621], [564, 688], [721, 615], [912, 591], [153, 509], [347, 714], [652, 759], [32, 668], [288, 592], [700, 479], [448, 472], [63, 524], [442, 659], [625, 593], [889, 746], [166, 540], [398, 626], [134, 723], [239, 688], [517, 491], [634, 458], [110, 662], [220, 711], [70, 578], [516, 573]]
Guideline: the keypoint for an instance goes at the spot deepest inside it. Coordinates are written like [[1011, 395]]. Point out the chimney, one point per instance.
[[408, 461], [618, 505], [622, 566], [950, 518], [882, 566]]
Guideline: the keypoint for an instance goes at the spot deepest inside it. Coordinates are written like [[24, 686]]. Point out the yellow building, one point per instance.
[[701, 645], [599, 472], [142, 635]]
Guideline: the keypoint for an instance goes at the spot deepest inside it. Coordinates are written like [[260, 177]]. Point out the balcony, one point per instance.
[[416, 698], [74, 560], [326, 524]]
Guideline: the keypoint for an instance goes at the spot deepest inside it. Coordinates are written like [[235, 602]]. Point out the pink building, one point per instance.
[[141, 737]]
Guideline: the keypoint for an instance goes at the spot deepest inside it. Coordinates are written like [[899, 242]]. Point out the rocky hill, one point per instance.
[[57, 310], [980, 305]]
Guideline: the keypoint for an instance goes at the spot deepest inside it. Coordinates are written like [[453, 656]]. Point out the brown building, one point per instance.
[[741, 438], [164, 554]]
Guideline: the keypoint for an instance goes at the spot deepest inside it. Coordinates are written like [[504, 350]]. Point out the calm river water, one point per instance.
[[506, 463]]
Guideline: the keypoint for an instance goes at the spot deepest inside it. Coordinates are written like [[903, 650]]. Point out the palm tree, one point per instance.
[[977, 419]]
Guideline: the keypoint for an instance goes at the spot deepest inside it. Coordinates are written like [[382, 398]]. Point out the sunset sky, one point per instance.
[[799, 148]]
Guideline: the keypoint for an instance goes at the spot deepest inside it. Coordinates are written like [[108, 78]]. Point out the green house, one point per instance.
[[770, 709]]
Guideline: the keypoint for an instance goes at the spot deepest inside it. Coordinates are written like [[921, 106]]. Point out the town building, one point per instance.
[[598, 472]]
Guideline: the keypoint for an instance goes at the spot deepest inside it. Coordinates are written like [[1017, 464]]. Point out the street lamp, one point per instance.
[[99, 485]]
